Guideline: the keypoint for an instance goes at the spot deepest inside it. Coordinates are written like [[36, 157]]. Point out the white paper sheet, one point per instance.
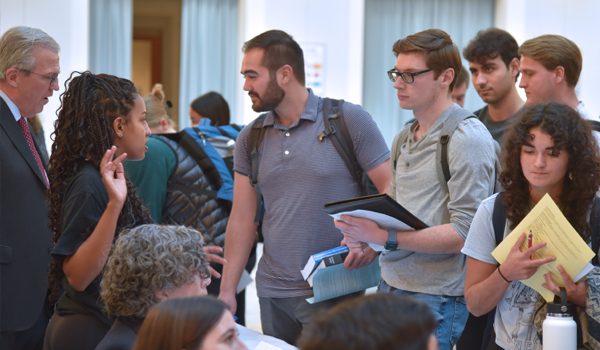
[[386, 222]]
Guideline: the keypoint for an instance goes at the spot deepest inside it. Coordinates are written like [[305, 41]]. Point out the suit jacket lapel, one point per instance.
[[15, 134]]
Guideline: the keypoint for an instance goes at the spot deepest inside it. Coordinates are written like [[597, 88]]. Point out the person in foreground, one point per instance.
[[549, 150], [150, 263], [102, 121], [377, 321], [200, 323]]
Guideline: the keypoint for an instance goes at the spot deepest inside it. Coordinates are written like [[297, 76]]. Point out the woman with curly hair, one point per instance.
[[101, 122], [148, 264], [549, 150], [200, 323]]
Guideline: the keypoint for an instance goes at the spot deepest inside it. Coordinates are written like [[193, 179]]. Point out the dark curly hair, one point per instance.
[[570, 133], [83, 133]]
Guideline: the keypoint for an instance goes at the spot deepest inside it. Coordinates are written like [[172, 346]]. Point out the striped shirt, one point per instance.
[[297, 175]]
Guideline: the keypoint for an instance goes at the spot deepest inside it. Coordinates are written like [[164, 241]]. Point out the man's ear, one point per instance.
[[559, 75], [118, 125], [12, 76], [285, 74], [162, 295], [514, 67], [447, 76]]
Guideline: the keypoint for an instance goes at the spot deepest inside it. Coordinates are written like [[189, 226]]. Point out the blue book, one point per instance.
[[334, 281], [315, 259]]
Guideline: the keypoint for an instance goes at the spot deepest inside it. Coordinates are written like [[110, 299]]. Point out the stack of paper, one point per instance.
[[548, 224], [381, 208]]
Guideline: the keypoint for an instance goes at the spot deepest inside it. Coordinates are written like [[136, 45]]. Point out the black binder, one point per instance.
[[379, 203]]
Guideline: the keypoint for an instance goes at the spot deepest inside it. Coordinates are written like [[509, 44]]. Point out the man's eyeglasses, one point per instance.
[[408, 78], [51, 78]]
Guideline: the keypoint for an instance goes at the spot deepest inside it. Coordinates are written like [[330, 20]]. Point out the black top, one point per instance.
[[122, 334], [497, 129], [83, 204]]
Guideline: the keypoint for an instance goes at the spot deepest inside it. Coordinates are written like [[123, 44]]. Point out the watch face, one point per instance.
[[390, 245]]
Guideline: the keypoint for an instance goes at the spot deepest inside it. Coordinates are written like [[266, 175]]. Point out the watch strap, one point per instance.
[[392, 242]]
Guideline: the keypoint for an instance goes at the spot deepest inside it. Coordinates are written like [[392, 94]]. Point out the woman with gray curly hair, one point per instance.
[[150, 263]]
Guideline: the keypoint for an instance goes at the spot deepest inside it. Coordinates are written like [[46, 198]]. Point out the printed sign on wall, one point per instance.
[[314, 67]]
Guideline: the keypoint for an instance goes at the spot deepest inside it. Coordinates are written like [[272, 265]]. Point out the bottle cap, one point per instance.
[[560, 305]]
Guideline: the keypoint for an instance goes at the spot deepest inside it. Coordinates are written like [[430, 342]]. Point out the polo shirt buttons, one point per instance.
[[286, 152], [287, 134]]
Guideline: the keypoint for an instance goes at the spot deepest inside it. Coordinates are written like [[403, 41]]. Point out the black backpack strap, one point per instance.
[[257, 134], [236, 127], [499, 218], [594, 124], [499, 223], [449, 126], [335, 125], [400, 140], [595, 229], [224, 133]]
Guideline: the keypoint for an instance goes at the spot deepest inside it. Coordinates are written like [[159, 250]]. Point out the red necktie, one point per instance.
[[27, 134]]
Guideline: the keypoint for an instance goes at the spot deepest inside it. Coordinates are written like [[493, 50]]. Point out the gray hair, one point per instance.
[[149, 259], [16, 48]]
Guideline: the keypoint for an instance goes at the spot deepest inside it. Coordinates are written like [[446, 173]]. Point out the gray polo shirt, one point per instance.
[[415, 185], [297, 175]]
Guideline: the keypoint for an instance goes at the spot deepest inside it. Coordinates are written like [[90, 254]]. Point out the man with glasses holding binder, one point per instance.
[[427, 264]]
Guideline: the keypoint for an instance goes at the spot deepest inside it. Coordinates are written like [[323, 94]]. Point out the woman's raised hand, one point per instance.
[[113, 176]]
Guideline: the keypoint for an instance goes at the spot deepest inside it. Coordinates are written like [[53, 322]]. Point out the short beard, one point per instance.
[[271, 98]]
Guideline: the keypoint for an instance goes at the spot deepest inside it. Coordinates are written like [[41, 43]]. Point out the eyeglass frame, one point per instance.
[[52, 78], [394, 71]]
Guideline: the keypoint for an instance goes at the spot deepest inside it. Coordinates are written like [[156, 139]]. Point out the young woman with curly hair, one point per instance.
[[148, 264], [200, 323], [101, 122], [549, 150]]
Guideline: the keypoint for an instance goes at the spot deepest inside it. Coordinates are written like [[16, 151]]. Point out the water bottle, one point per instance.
[[559, 328]]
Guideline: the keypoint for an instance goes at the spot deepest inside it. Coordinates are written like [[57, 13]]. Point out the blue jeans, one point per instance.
[[450, 312]]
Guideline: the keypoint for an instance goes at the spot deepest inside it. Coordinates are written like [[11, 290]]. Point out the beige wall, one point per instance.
[[141, 67]]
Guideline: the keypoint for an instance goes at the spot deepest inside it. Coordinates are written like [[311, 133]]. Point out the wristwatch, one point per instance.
[[392, 243]]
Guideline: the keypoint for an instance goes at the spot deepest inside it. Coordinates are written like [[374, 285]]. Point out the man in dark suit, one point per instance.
[[29, 66]]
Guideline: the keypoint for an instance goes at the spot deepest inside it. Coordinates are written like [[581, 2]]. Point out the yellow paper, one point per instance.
[[548, 224]]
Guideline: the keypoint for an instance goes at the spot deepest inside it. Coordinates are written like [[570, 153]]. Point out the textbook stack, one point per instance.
[[326, 274]]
